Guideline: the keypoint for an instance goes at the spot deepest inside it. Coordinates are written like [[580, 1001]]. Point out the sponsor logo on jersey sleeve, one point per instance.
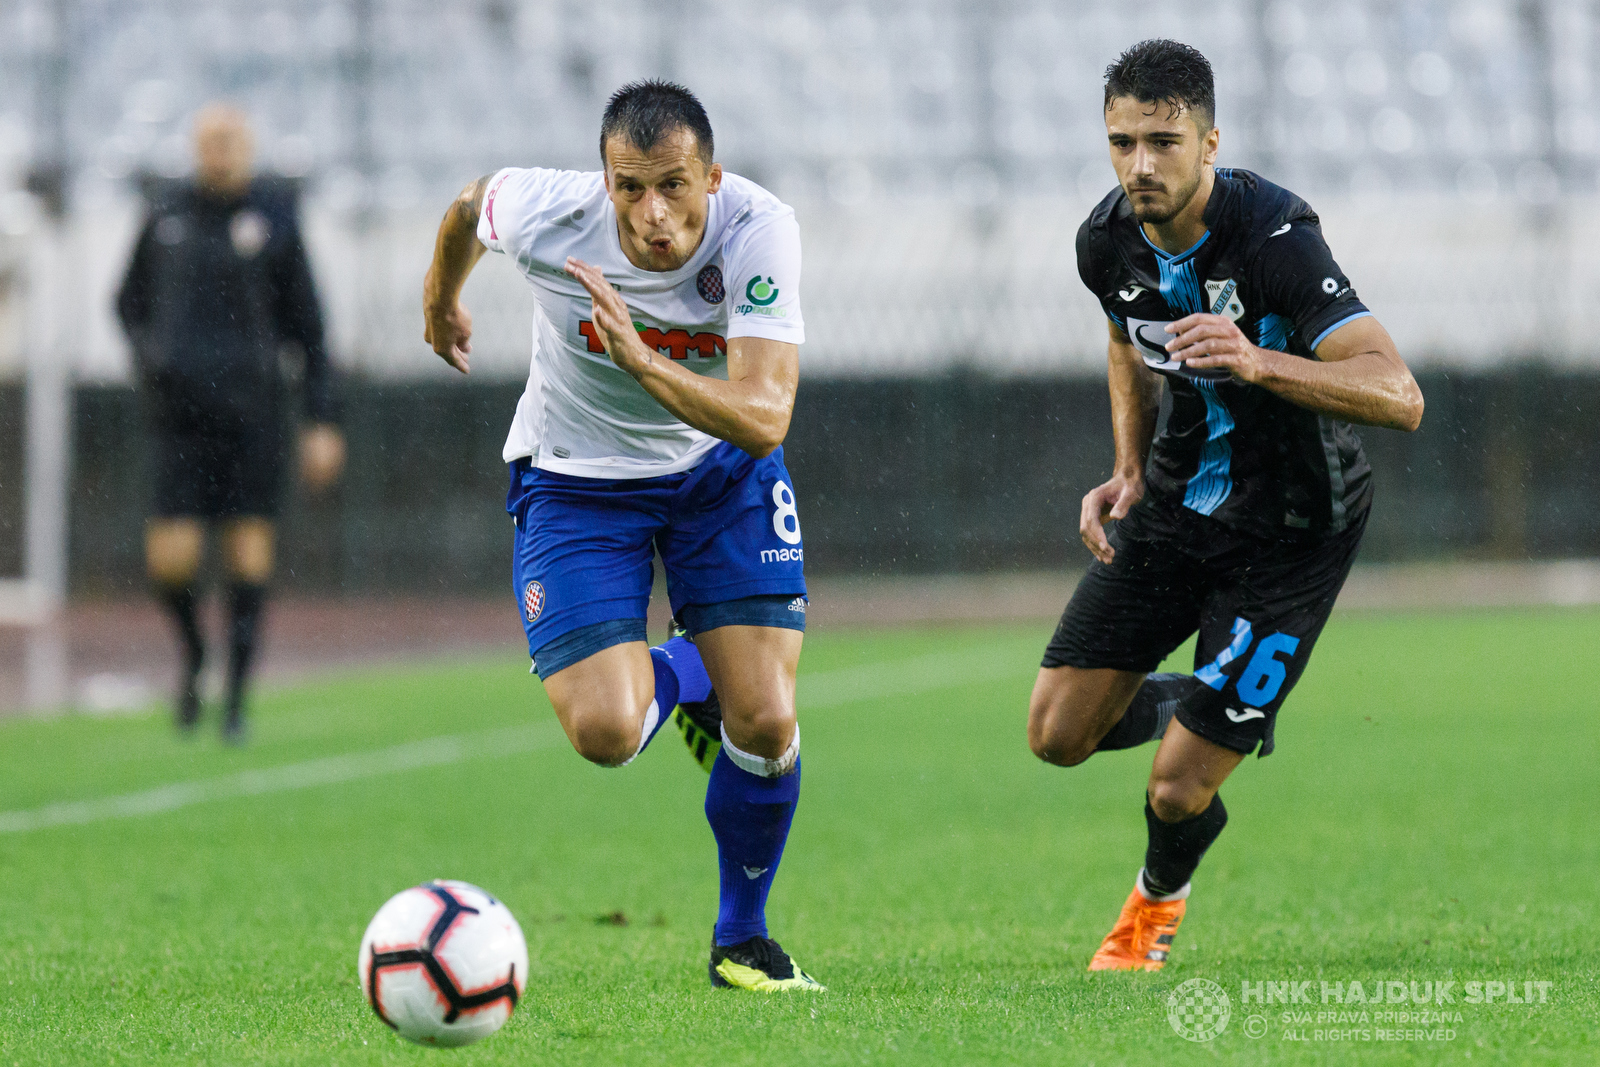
[[760, 294], [1222, 298], [1131, 293]]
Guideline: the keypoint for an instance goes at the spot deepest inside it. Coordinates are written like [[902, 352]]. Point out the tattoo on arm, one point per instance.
[[469, 205]]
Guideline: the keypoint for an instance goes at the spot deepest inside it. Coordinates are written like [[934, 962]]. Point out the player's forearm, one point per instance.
[[751, 414], [1371, 388], [457, 249], [1135, 404]]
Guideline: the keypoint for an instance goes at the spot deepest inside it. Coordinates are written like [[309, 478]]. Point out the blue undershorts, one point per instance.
[[727, 531]]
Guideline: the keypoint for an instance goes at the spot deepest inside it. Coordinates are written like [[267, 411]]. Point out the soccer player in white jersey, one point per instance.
[[665, 360]]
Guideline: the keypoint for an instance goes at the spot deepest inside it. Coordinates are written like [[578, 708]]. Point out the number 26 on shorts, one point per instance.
[[1263, 676]]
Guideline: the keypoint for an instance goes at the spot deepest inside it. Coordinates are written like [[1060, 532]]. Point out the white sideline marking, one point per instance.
[[907, 677], [330, 770], [845, 685]]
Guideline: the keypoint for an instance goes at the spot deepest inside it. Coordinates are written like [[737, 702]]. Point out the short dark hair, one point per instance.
[[1165, 72], [645, 113]]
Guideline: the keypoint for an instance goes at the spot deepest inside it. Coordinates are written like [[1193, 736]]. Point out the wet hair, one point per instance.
[[1165, 72], [646, 113]]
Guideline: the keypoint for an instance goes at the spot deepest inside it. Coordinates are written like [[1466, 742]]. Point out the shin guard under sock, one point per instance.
[[1149, 712], [1176, 847], [750, 816]]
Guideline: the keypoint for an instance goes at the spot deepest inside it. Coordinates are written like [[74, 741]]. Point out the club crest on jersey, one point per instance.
[[532, 601], [1222, 298], [709, 284]]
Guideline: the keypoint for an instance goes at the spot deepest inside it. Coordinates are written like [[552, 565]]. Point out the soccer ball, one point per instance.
[[443, 963]]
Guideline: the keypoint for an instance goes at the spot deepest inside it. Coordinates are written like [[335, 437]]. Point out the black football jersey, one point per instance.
[[1233, 451]]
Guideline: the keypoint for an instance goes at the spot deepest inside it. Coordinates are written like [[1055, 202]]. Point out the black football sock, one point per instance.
[[1176, 847], [179, 600], [1149, 712], [247, 601]]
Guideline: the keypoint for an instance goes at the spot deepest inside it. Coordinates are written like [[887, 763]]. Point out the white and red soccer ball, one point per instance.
[[443, 963]]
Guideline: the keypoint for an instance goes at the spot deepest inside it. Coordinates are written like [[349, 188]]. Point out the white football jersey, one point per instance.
[[583, 415]]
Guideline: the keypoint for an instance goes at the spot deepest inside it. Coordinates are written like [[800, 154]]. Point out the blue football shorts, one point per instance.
[[727, 530]]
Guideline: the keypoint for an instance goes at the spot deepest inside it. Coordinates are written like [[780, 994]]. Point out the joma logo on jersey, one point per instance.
[[677, 343]]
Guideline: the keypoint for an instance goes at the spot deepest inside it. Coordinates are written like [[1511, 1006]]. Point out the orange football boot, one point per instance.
[[1142, 937]]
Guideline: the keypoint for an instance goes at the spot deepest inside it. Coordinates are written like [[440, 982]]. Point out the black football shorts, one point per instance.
[[218, 470], [1258, 605]]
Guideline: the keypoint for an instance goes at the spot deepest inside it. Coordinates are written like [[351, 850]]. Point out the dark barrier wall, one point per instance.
[[900, 476]]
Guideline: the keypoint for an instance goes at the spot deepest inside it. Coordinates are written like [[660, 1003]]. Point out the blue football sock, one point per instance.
[[682, 660], [679, 676], [750, 817]]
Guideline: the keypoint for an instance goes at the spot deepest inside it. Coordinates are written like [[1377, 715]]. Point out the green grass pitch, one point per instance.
[[1430, 815]]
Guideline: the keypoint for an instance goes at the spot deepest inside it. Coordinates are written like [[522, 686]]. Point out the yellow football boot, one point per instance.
[[759, 964], [701, 726]]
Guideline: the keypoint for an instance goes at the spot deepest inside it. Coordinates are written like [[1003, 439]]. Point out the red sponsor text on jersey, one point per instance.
[[677, 342]]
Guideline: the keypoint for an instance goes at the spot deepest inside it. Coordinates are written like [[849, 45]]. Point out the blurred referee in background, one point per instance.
[[218, 287]]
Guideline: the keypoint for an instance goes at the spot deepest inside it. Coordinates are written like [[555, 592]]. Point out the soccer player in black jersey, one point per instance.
[[1242, 517]]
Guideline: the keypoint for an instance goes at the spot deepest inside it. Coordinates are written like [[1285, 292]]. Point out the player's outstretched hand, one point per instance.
[[612, 322], [1113, 500], [1206, 342], [449, 330]]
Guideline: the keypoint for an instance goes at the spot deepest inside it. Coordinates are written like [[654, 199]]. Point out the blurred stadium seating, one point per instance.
[[940, 154]]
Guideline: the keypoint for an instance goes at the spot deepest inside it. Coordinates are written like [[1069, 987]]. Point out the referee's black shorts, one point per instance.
[[216, 464], [1258, 605]]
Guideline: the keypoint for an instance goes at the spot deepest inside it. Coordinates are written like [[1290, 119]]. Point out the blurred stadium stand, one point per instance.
[[940, 156]]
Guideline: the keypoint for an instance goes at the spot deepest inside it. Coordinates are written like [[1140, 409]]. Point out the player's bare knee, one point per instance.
[[1175, 800], [249, 550], [604, 739], [1058, 750], [1056, 737], [172, 549], [764, 730]]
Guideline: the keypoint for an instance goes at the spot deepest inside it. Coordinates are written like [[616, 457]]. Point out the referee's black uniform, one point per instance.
[[218, 289]]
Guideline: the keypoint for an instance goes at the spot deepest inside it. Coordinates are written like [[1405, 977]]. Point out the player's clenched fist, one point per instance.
[[1205, 342], [1113, 500], [612, 321]]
